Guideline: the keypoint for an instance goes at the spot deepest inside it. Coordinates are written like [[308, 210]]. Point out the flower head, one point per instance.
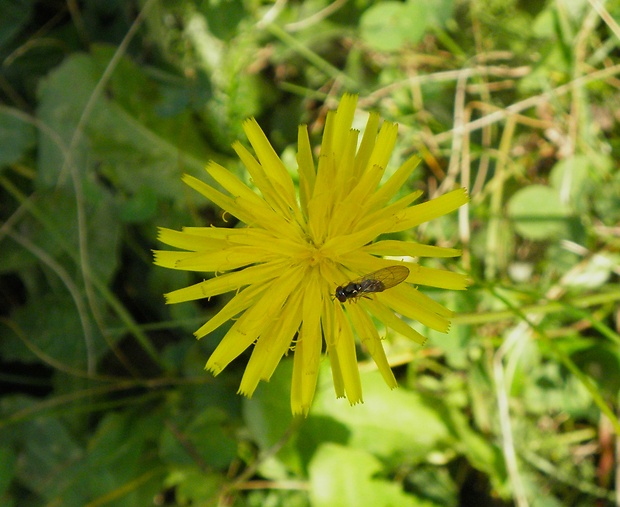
[[297, 247]]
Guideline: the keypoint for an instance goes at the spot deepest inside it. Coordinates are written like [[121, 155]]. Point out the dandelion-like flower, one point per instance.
[[296, 248]]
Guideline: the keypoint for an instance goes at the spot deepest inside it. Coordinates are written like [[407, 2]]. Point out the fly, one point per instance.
[[377, 281]]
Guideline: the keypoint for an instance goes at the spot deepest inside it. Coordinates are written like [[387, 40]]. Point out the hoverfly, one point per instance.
[[377, 281]]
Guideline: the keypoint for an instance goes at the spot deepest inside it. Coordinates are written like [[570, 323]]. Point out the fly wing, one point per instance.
[[390, 276]]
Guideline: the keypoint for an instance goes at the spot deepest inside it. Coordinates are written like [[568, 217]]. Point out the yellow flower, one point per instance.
[[296, 248]]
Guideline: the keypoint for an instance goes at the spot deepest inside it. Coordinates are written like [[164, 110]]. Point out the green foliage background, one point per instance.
[[106, 103]]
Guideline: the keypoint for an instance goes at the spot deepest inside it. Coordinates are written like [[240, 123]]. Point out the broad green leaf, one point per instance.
[[607, 205], [14, 14], [140, 207], [124, 140], [387, 26], [204, 435], [268, 417], [570, 176], [538, 213], [16, 136], [439, 11], [193, 486], [434, 484], [347, 477], [120, 462], [53, 228], [8, 461], [576, 178], [410, 426], [549, 389], [48, 450], [52, 325], [597, 360]]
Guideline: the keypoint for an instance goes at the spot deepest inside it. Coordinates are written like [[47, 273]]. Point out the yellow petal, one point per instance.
[[387, 316], [395, 299], [247, 199], [384, 145], [308, 348], [367, 145], [327, 145], [223, 233], [369, 337], [169, 258], [224, 260], [233, 184], [361, 262], [237, 304], [285, 328], [368, 228], [391, 187], [188, 241], [321, 203], [348, 210], [337, 246], [344, 179], [386, 216], [421, 213], [409, 249], [305, 374], [305, 163], [328, 326], [223, 201], [437, 277], [226, 283], [260, 179], [274, 169], [236, 341], [415, 296], [252, 323], [343, 119], [347, 358], [272, 345]]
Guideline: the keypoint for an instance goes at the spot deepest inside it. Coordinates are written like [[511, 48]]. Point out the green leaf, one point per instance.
[[387, 26], [597, 360], [48, 449], [125, 138], [482, 454], [55, 229], [268, 416], [17, 137], [606, 204], [439, 11], [569, 176], [411, 425], [205, 436], [52, 325], [8, 461], [14, 14], [391, 414], [538, 213], [224, 17], [193, 486], [140, 207], [346, 477]]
